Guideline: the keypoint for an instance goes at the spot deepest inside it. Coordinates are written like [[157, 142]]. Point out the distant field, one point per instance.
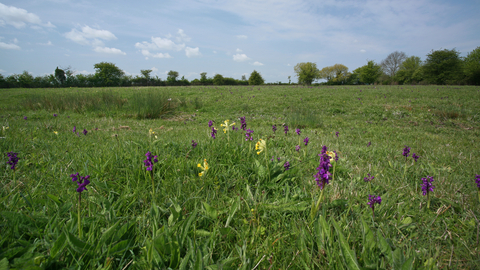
[[246, 210]]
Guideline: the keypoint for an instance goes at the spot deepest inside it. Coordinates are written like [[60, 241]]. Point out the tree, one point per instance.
[[369, 73], [471, 66], [443, 67], [108, 74], [60, 75], [391, 64], [255, 78], [203, 78], [409, 71], [336, 74], [244, 78], [172, 77], [218, 79], [306, 72], [25, 80]]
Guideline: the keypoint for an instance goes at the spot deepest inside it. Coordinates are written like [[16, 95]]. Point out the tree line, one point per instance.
[[440, 67], [108, 74]]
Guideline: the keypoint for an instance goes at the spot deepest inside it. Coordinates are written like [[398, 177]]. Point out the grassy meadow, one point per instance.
[[247, 210]]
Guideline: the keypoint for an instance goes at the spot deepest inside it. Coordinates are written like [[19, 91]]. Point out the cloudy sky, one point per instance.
[[227, 37]]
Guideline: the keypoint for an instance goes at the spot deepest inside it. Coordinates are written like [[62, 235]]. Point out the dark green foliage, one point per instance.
[[472, 67], [369, 73], [255, 78], [218, 79], [107, 74], [307, 72], [60, 75], [443, 67]]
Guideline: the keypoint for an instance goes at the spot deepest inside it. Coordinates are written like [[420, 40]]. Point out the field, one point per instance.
[[248, 210]]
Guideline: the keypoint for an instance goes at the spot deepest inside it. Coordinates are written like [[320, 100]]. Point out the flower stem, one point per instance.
[[79, 216], [153, 184], [428, 200]]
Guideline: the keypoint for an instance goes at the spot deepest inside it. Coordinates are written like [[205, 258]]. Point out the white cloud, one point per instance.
[[363, 51], [19, 17], [256, 63], [240, 57], [49, 43], [147, 54], [214, 51], [241, 36], [9, 46], [159, 43], [90, 36], [182, 37], [154, 69], [192, 52], [108, 50], [238, 50]]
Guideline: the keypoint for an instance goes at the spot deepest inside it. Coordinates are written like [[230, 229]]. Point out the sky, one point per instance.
[[231, 38]]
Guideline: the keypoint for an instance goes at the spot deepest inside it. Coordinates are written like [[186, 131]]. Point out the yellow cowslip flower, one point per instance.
[[261, 145], [226, 125], [331, 154], [204, 167], [56, 133], [5, 128]]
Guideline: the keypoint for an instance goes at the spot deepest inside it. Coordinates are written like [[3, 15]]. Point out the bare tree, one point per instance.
[[391, 64]]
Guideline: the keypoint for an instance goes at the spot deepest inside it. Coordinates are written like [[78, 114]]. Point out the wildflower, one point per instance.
[[372, 200], [415, 157], [148, 162], [369, 143], [243, 123], [336, 133], [285, 129], [427, 185], [323, 175], [204, 167], [210, 123], [85, 132], [55, 132], [214, 133], [54, 115], [477, 180], [12, 160], [332, 155], [286, 166], [248, 135], [406, 152], [74, 129], [82, 183], [369, 178], [194, 144], [274, 128], [306, 141], [226, 125], [297, 148], [261, 145], [297, 131], [25, 118]]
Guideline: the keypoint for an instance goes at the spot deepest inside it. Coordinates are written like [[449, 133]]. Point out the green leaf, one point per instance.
[[198, 261], [385, 249], [408, 264], [407, 220], [78, 245], [233, 209], [348, 254], [398, 259], [4, 264], [210, 211], [59, 245], [122, 246], [55, 199], [108, 234]]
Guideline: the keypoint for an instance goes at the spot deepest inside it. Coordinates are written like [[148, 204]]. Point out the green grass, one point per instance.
[[246, 211]]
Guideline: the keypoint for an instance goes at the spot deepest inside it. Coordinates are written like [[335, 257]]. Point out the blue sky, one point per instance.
[[231, 38]]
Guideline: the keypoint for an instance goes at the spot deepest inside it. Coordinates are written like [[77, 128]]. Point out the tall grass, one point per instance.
[[247, 211]]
